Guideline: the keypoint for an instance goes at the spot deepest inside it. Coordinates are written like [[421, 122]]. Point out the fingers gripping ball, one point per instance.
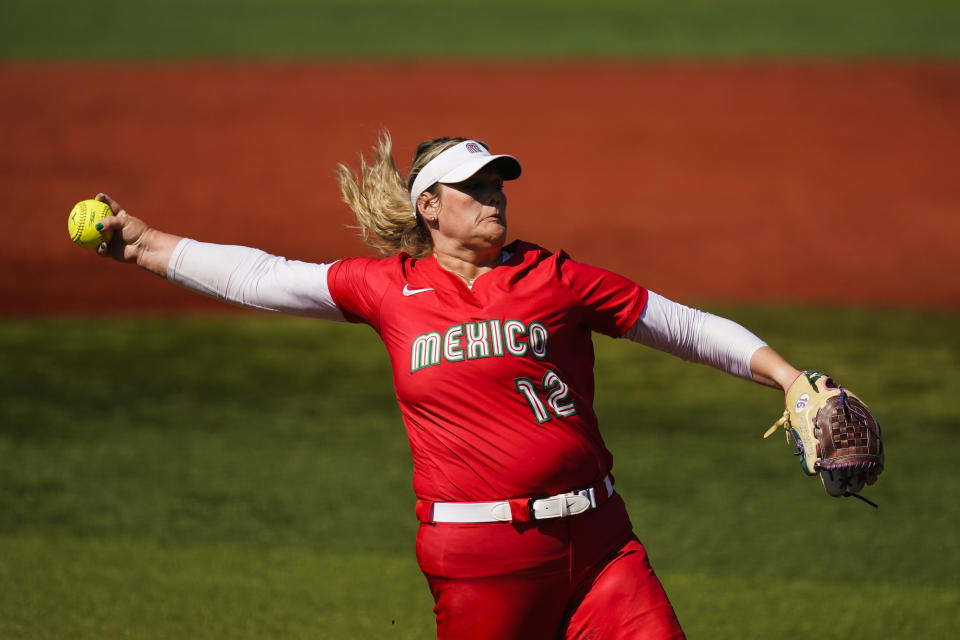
[[836, 435], [82, 223]]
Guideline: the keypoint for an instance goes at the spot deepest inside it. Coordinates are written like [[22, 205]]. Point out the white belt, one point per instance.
[[558, 506]]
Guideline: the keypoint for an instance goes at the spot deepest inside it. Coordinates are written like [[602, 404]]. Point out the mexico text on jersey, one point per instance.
[[483, 339]]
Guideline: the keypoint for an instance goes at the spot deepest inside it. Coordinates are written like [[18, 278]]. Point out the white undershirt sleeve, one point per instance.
[[695, 336], [253, 278]]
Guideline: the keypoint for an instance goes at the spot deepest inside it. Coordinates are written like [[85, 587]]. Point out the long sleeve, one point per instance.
[[695, 336], [252, 278]]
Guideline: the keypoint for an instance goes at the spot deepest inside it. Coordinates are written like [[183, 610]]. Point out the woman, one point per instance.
[[522, 534]]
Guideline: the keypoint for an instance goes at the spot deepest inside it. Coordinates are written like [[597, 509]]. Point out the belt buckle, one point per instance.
[[533, 514], [588, 493]]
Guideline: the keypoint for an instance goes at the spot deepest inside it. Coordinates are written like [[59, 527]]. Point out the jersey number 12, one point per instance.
[[554, 392]]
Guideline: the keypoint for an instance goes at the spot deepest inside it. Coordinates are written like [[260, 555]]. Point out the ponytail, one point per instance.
[[380, 198]]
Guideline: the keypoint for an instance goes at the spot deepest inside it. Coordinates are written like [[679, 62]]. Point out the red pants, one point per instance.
[[583, 577]]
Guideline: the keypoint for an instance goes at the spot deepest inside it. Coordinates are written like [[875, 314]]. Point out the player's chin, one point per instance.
[[491, 234], [494, 227]]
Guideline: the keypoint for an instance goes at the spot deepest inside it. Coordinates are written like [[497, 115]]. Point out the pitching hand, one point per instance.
[[135, 241], [128, 232]]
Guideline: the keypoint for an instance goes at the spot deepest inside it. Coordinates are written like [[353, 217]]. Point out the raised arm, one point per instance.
[[844, 463], [702, 337], [239, 275]]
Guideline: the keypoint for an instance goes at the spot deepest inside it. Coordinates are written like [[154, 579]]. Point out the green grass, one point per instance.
[[492, 29], [116, 588], [248, 477]]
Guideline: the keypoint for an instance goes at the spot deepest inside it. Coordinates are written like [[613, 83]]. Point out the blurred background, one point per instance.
[[172, 467]]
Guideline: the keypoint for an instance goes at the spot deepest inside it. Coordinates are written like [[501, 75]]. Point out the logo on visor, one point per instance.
[[473, 147]]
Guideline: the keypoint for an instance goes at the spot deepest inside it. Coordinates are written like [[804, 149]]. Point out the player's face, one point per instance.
[[475, 210]]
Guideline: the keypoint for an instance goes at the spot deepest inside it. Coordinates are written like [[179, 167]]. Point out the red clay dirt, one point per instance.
[[745, 182]]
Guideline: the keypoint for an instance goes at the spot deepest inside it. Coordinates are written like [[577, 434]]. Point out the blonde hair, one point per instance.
[[380, 198]]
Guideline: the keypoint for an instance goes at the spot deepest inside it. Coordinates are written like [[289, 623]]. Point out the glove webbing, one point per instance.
[[785, 420]]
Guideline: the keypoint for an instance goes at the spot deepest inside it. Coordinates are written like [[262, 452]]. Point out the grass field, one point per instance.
[[493, 29], [248, 477]]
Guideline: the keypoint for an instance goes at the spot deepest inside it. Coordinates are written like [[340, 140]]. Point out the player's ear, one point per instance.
[[428, 206]]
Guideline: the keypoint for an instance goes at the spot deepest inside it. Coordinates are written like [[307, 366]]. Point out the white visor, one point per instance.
[[458, 163]]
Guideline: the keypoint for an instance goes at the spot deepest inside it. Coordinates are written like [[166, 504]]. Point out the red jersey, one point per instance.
[[495, 383]]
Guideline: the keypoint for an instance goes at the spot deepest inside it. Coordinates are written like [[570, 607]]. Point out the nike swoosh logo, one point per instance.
[[407, 291]]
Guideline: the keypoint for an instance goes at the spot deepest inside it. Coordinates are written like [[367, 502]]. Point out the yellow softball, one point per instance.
[[83, 220]]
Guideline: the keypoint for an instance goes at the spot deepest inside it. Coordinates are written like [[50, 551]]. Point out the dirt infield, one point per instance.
[[726, 182]]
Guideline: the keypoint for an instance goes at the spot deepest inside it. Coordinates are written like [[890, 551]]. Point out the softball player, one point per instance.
[[522, 533]]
